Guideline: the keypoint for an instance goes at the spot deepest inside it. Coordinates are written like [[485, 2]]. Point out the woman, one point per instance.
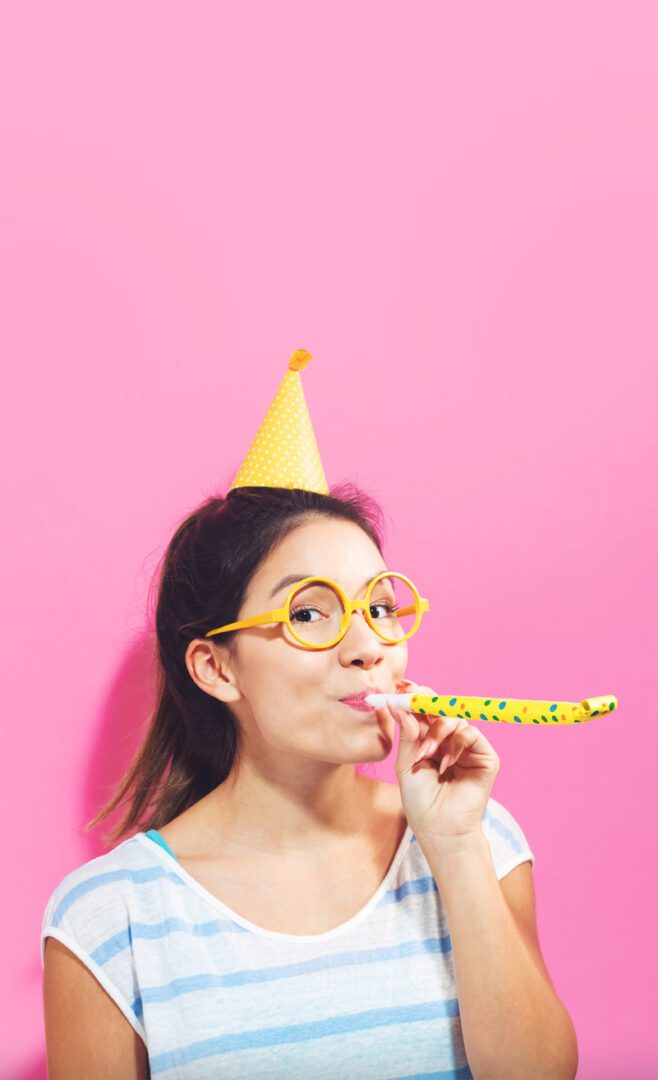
[[278, 914]]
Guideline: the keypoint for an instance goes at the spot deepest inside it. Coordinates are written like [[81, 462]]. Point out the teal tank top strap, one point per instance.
[[154, 835]]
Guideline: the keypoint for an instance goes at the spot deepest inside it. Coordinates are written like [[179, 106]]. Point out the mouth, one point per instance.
[[358, 702]]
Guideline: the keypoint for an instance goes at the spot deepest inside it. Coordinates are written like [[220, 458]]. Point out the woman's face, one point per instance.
[[290, 697]]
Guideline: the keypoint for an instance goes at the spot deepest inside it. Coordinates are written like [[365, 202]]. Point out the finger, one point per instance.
[[426, 751], [459, 741], [424, 724], [442, 743], [413, 728], [423, 721], [442, 727], [435, 731]]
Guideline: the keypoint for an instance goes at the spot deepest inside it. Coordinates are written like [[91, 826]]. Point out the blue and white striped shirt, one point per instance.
[[213, 995]]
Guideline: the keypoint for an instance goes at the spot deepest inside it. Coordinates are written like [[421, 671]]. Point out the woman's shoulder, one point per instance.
[[507, 840], [126, 855], [94, 910], [96, 898]]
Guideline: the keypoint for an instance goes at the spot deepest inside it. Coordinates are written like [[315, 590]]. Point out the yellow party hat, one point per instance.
[[284, 452]]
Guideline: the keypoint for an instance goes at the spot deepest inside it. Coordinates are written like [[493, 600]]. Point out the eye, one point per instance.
[[303, 611], [388, 607]]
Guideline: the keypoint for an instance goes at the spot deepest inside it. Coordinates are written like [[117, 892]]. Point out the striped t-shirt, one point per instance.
[[213, 995]]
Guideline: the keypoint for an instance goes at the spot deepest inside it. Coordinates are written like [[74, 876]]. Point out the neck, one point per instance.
[[282, 815]]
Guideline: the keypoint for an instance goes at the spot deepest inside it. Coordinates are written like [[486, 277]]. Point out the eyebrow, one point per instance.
[[290, 579]]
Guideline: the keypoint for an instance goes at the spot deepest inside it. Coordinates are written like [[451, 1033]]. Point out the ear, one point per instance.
[[211, 668]]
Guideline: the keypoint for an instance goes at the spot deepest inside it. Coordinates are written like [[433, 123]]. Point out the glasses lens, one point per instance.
[[393, 608], [315, 613]]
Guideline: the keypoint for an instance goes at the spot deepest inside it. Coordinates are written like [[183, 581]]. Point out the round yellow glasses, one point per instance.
[[318, 612]]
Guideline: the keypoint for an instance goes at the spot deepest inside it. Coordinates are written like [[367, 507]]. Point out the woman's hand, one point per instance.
[[446, 769]]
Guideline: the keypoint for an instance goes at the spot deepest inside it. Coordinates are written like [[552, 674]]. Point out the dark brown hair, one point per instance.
[[192, 740]]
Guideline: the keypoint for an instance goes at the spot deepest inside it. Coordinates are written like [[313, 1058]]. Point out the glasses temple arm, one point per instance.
[[278, 615]]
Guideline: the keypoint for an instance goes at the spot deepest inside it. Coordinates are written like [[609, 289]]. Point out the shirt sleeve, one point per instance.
[[507, 841], [88, 913]]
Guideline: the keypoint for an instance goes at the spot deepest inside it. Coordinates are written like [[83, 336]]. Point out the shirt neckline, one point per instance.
[[219, 905]]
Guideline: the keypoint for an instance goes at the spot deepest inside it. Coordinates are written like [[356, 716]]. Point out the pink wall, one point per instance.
[[455, 212]]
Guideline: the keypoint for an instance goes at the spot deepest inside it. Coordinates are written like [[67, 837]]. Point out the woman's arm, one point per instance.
[[87, 1035], [513, 1024]]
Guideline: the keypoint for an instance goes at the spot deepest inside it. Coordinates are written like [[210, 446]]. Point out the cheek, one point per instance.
[[277, 671], [400, 660]]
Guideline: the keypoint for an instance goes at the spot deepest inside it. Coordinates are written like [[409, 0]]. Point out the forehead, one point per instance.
[[325, 547]]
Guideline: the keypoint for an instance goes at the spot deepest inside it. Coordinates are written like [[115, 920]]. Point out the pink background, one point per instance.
[[454, 211]]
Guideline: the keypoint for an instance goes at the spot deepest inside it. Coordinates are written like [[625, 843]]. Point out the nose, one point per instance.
[[361, 645]]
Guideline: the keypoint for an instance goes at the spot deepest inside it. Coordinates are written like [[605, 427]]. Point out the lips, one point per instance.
[[357, 701]]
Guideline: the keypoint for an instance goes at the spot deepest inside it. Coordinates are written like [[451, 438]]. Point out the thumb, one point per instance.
[[407, 722]]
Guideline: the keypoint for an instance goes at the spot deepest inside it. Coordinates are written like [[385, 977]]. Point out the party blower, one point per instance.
[[507, 711]]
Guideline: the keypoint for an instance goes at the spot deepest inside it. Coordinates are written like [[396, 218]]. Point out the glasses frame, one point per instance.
[[282, 614]]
